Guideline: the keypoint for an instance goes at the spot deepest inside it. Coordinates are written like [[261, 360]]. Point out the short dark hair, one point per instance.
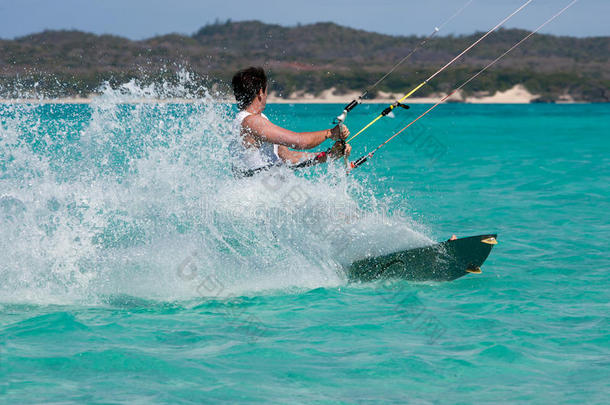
[[246, 84]]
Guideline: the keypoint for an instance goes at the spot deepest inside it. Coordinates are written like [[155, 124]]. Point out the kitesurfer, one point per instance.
[[264, 144]]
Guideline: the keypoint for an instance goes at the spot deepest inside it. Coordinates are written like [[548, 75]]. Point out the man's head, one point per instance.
[[247, 84]]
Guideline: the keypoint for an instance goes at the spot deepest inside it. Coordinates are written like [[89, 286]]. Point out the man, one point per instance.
[[264, 144]]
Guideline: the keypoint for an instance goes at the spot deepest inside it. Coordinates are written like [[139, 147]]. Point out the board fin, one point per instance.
[[490, 241]]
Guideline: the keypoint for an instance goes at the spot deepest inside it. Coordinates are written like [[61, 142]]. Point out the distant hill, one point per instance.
[[309, 58]]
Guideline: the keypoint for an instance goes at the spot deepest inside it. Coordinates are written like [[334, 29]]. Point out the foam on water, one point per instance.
[[123, 197]]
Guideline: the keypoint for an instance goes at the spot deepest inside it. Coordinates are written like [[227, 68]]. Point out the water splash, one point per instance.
[[129, 197]]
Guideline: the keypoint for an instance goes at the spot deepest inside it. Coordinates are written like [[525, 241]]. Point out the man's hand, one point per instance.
[[339, 149], [339, 133]]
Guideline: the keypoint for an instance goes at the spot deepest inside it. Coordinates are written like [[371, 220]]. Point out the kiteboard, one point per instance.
[[444, 261]]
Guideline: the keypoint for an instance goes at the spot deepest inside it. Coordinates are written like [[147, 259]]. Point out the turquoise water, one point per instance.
[[134, 268]]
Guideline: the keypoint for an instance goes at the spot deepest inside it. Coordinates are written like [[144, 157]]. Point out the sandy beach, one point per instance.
[[516, 95]]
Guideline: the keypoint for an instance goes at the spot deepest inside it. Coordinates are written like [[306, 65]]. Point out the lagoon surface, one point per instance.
[[135, 268]]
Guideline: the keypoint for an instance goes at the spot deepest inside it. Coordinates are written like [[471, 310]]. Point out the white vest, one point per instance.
[[251, 158]]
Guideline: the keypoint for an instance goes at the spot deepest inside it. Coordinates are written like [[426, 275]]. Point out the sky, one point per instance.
[[139, 19]]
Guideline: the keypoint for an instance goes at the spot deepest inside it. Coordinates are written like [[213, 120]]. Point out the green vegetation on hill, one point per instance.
[[309, 58]]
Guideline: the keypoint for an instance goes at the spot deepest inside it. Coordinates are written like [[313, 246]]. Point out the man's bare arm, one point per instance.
[[296, 157], [293, 156], [266, 131]]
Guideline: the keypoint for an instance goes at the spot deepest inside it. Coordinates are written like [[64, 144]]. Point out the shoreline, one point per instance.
[[518, 94]]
